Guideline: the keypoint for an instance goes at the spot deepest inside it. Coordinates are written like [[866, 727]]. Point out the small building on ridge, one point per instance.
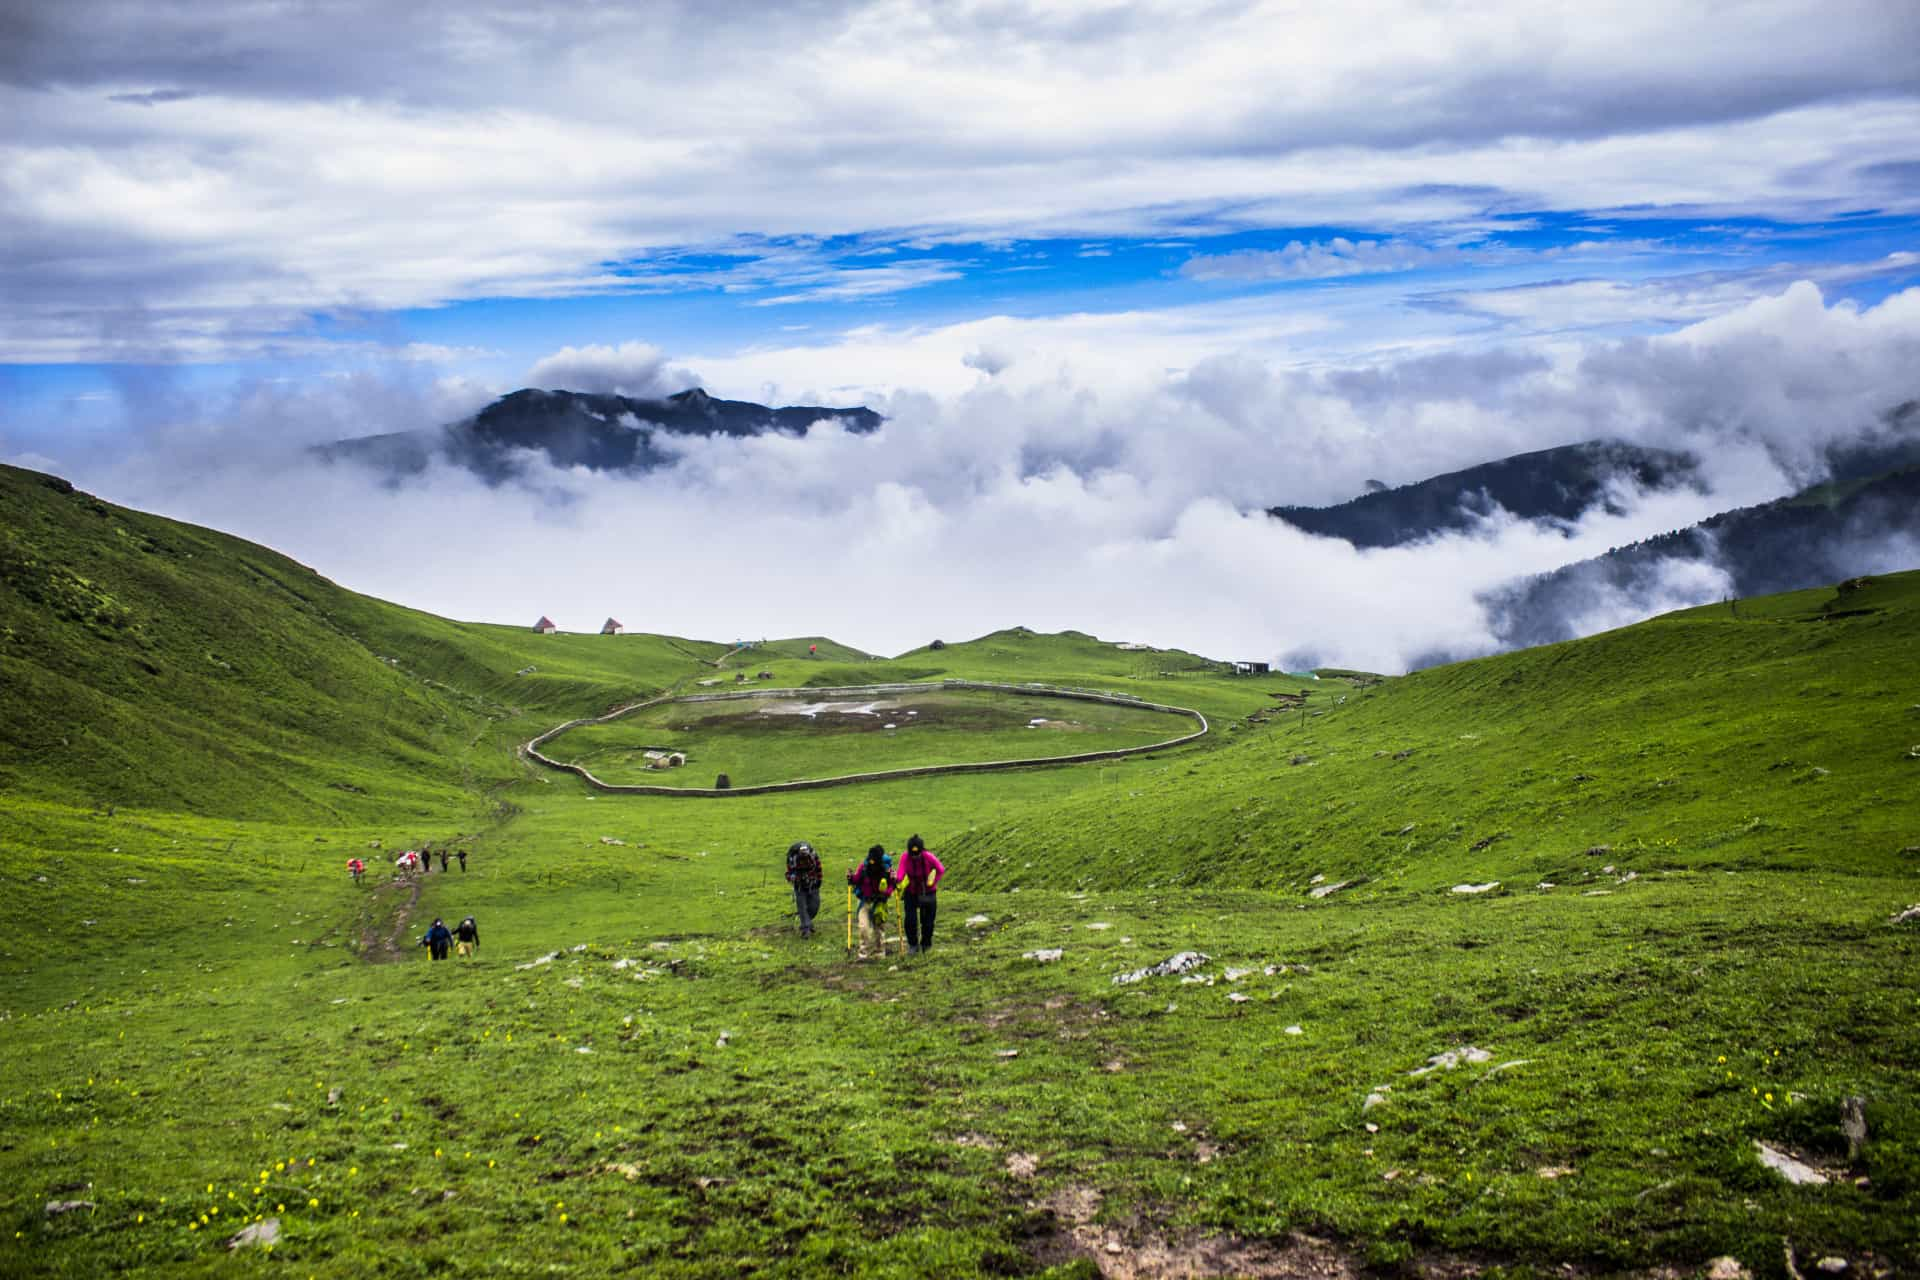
[[612, 627], [545, 626]]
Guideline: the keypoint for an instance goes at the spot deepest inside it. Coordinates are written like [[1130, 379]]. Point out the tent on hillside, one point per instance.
[[612, 627], [545, 626]]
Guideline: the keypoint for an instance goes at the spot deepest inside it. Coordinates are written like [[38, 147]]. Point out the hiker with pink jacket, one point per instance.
[[918, 875]]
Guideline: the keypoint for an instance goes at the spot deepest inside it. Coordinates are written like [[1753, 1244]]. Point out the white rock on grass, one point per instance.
[[1800, 1175], [1727, 1268], [1488, 887], [265, 1234], [1326, 889], [1295, 1030], [1098, 925], [1238, 997], [1234, 975], [978, 922], [1452, 1058], [1184, 962], [537, 961], [1910, 916], [1046, 955]]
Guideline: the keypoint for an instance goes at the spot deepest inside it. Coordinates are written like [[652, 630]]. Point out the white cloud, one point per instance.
[[636, 369], [1127, 508], [363, 156]]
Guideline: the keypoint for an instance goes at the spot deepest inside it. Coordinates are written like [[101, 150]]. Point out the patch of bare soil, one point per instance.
[[1138, 1251], [376, 946]]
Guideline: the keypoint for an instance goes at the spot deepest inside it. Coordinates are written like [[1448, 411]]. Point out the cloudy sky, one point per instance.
[[1120, 275]]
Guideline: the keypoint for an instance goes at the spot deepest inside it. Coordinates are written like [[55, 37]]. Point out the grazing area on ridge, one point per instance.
[[1519, 966], [782, 737]]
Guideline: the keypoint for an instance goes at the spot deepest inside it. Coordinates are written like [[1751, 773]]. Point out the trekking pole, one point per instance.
[[849, 919]]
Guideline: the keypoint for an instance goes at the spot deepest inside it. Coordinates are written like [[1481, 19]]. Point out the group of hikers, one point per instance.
[[412, 862], [916, 875], [464, 938]]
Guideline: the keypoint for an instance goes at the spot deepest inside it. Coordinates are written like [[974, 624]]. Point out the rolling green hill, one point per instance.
[[1687, 843]]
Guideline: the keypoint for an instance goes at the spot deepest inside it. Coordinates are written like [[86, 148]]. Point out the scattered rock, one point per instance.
[[977, 1140], [333, 1097], [978, 922], [1319, 879], [721, 1043], [1546, 884], [1098, 925], [577, 950], [55, 1208], [535, 963], [1234, 975], [1184, 962], [1908, 916], [1238, 997], [1800, 1175], [1294, 1030], [1326, 889], [1452, 1058], [1378, 1098], [1372, 1128], [1727, 1268], [1831, 1265], [1488, 887], [1022, 1164], [1551, 1171], [1046, 955], [613, 840], [265, 1234], [706, 1182], [1006, 1053], [1599, 850], [575, 983], [581, 1048]]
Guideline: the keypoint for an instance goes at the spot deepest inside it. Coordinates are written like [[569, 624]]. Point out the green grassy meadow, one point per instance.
[[780, 738], [1697, 831]]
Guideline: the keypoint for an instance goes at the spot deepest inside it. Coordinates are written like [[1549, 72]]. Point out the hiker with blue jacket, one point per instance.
[[438, 940], [919, 878], [873, 884]]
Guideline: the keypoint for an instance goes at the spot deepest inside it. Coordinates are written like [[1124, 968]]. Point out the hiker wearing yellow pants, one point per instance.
[[873, 883]]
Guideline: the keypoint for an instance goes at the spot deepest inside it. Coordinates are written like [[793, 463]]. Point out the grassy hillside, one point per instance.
[[152, 664], [204, 1022], [1771, 734]]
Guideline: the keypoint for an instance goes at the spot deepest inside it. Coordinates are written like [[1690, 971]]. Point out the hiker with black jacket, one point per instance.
[[919, 878], [467, 937], [803, 873]]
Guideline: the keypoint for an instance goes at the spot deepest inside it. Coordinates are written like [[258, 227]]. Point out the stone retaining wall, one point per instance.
[[532, 749]]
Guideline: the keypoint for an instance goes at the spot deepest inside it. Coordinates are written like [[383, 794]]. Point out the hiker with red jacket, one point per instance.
[[919, 878], [803, 873], [873, 884]]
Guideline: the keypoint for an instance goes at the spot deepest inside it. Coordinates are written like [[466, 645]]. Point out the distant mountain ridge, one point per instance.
[[583, 429], [1556, 485], [1833, 531]]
